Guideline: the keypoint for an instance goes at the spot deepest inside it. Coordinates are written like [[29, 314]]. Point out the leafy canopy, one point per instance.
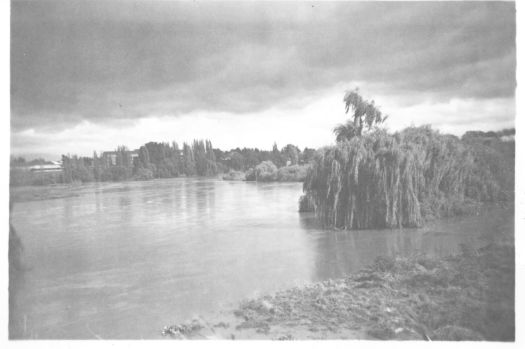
[[364, 113]]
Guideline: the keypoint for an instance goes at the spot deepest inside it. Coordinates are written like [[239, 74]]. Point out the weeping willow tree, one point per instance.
[[365, 113], [378, 180]]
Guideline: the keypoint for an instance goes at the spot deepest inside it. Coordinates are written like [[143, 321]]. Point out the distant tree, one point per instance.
[[307, 155], [144, 160], [143, 174], [76, 169], [266, 171], [97, 167], [276, 156], [252, 157], [19, 161], [188, 160], [67, 169], [211, 161], [507, 132], [199, 153], [236, 161], [123, 158], [123, 170], [365, 113], [176, 159], [157, 154], [291, 153], [83, 170]]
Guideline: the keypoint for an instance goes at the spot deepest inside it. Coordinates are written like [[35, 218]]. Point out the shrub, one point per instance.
[[250, 175], [234, 176], [143, 174], [119, 173], [294, 173], [266, 171]]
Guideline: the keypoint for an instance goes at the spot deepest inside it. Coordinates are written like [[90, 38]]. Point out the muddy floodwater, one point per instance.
[[122, 260]]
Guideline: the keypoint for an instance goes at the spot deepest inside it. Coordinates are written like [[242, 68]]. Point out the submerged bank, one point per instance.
[[468, 296]]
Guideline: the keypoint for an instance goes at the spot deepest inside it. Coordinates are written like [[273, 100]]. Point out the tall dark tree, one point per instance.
[[365, 113], [144, 160], [176, 159], [276, 157], [199, 153], [97, 167], [236, 161], [67, 169], [211, 161], [188, 160], [291, 153], [307, 155]]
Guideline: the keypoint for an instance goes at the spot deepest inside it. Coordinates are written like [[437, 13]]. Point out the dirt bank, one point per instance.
[[469, 296]]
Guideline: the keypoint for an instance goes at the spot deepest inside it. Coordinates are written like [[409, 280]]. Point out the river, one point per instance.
[[121, 260]]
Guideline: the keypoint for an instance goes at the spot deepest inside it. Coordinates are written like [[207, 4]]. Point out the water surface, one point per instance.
[[123, 260]]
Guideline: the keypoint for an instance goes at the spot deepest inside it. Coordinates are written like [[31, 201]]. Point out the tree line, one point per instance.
[[158, 160]]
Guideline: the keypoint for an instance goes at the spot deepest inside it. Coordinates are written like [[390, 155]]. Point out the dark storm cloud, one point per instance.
[[110, 60]]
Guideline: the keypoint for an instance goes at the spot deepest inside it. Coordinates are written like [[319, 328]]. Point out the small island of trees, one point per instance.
[[375, 179]]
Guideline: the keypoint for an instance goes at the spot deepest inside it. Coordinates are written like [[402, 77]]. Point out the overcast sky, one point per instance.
[[90, 75]]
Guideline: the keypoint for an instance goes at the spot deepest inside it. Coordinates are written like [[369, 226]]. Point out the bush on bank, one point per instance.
[[234, 176], [268, 172], [294, 173]]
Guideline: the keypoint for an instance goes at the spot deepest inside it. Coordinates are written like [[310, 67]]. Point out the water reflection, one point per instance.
[[167, 250], [342, 252]]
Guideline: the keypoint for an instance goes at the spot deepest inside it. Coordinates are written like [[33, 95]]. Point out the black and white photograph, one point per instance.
[[261, 170]]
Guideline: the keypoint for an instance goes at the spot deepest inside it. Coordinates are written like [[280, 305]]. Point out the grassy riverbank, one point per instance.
[[35, 193], [469, 296]]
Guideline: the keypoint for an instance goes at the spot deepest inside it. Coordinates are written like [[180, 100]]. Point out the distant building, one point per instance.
[[55, 167], [507, 138], [110, 157]]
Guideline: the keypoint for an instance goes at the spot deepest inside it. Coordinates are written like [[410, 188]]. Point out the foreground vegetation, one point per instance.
[[469, 296]]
